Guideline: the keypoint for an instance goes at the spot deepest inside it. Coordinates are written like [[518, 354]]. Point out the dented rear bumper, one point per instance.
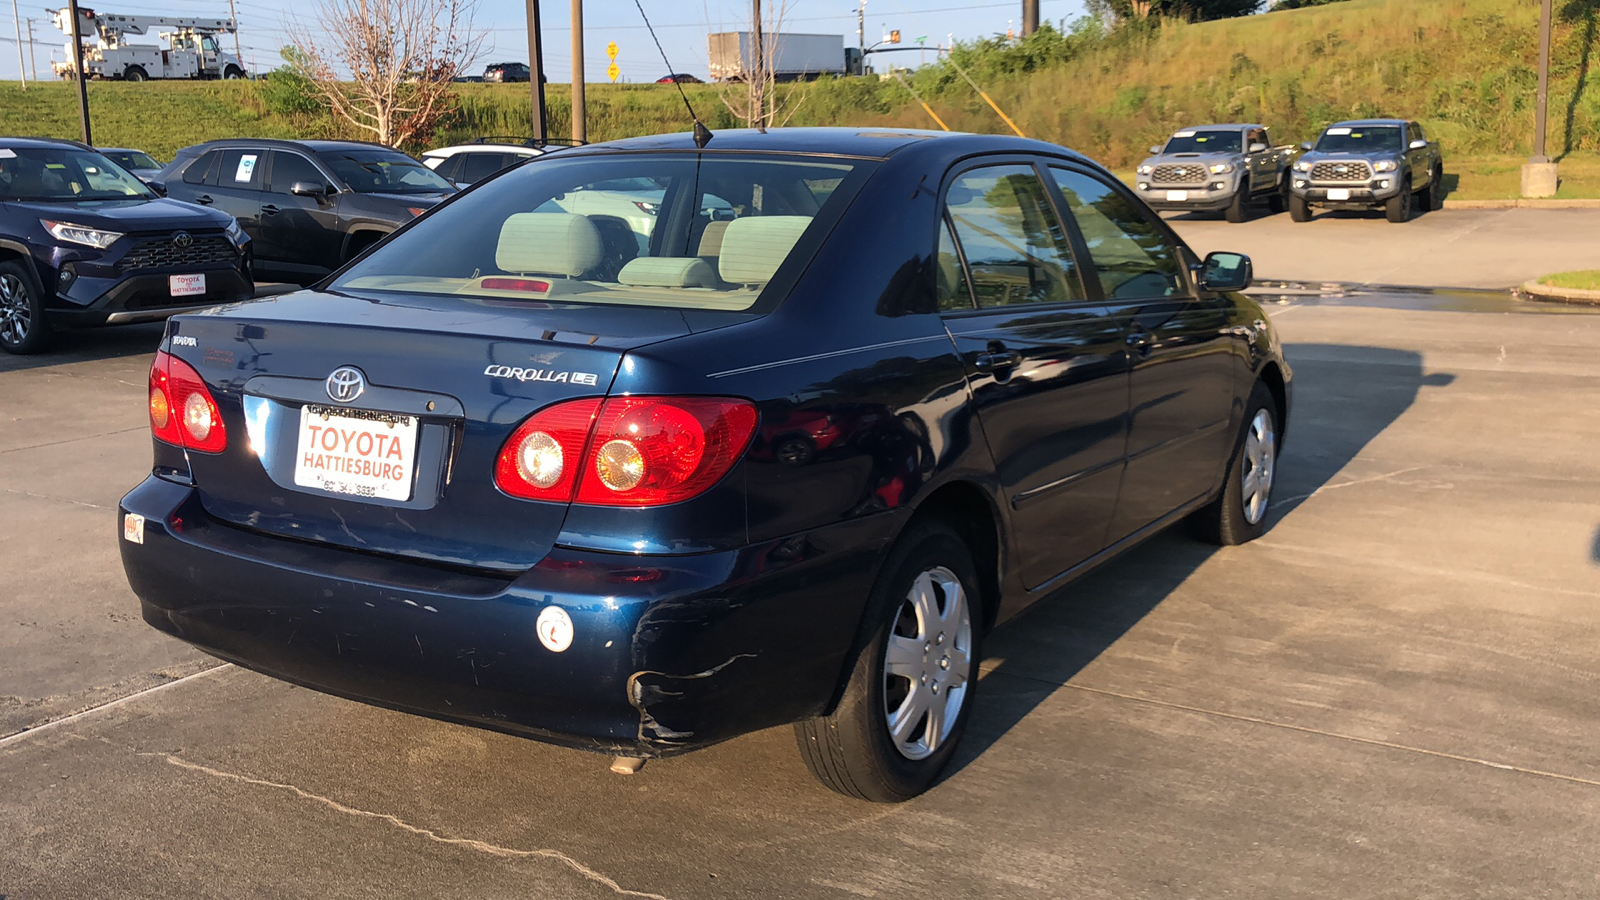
[[667, 654]]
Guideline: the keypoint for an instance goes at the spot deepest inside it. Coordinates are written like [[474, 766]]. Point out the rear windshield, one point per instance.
[[653, 229], [384, 172], [64, 173], [1204, 142], [1358, 140]]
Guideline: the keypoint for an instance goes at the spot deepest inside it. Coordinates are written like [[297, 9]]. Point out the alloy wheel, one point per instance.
[[1260, 465], [927, 664], [16, 315]]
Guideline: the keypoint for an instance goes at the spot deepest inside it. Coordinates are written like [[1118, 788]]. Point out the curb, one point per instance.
[[1536, 291], [1523, 203]]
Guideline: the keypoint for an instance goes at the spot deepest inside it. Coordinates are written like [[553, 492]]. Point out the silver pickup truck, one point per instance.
[[1216, 167], [1386, 164]]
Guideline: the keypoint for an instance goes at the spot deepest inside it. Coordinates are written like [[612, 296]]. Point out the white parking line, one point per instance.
[[105, 706]]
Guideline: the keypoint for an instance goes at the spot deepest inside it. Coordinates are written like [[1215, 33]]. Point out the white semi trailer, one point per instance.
[[791, 57], [191, 50]]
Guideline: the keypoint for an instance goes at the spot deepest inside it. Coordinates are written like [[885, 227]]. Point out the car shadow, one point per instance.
[[1345, 396], [88, 345]]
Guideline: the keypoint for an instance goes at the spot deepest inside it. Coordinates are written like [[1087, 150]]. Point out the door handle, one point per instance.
[[270, 209], [204, 200], [997, 360], [1139, 342]]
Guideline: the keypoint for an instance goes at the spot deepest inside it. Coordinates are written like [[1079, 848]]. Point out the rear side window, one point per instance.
[[242, 169], [1015, 248], [198, 170], [1130, 255], [950, 282], [479, 166]]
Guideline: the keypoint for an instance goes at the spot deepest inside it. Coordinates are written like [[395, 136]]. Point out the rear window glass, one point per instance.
[[639, 229]]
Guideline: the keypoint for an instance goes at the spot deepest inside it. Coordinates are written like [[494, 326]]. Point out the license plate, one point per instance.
[[187, 285], [1177, 196], [1338, 193], [363, 454]]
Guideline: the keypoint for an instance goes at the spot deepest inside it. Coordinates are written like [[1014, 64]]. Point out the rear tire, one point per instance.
[[1279, 200], [1299, 209], [1239, 514], [1434, 196], [1398, 207], [135, 73], [906, 705], [23, 328], [1238, 209]]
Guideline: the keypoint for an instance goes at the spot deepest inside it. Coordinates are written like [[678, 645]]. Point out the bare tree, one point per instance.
[[385, 66], [763, 106]]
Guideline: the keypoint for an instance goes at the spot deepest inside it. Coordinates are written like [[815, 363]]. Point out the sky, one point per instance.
[[682, 26]]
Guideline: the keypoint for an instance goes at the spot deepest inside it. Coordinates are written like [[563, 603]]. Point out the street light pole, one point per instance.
[[77, 67], [1539, 176]]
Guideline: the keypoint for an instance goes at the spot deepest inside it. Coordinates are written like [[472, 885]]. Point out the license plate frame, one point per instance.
[[1177, 196], [329, 455], [186, 285], [1338, 193]]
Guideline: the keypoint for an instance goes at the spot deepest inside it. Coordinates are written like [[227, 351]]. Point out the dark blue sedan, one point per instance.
[[643, 447]]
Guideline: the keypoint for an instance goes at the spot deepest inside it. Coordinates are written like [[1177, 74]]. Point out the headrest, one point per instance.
[[548, 244], [754, 247], [668, 271], [711, 239]]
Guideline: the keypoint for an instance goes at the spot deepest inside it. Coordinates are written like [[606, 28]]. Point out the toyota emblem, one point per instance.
[[1341, 169], [1180, 171], [182, 240], [346, 384]]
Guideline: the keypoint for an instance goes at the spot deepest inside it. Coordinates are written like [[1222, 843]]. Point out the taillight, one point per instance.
[[626, 451], [182, 410]]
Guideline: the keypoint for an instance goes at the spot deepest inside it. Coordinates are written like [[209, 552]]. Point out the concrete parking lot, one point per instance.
[[1392, 694]]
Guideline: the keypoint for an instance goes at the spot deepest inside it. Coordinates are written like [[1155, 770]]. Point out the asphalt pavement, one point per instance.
[[1391, 694]]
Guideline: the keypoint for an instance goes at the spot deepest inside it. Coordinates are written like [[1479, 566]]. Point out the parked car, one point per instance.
[[507, 72], [479, 479], [1366, 164], [470, 163], [1217, 168], [310, 206], [141, 164], [679, 78], [84, 242]]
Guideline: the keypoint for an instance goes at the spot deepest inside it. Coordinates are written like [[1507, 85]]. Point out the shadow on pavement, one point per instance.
[[1345, 396], [89, 344]]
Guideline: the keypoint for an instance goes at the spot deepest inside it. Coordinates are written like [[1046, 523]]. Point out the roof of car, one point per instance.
[[119, 150], [875, 143], [313, 146], [1233, 125], [1357, 123], [15, 142]]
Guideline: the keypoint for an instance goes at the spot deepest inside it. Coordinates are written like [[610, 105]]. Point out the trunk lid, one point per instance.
[[448, 377]]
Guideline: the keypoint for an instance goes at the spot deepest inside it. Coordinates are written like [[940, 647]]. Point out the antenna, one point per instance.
[[702, 134]]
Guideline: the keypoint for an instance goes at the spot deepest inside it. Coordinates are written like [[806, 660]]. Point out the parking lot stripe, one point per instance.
[[108, 705]]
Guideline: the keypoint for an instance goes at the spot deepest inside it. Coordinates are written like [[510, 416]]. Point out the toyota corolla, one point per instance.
[[527, 470]]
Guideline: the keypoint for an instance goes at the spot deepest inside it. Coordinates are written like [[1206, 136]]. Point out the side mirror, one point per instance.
[[311, 189], [1258, 148], [1305, 145], [1223, 272], [160, 187], [1155, 149], [1418, 145]]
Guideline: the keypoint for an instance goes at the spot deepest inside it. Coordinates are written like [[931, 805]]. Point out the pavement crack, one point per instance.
[[86, 437], [1351, 483], [57, 499], [470, 843]]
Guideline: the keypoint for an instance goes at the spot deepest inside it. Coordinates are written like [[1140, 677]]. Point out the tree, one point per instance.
[[385, 66], [1192, 10], [1300, 4]]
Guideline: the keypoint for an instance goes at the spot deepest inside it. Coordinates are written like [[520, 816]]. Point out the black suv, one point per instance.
[[507, 71], [310, 206], [84, 242]]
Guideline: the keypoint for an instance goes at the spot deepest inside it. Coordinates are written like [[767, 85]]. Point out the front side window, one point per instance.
[[1131, 256], [384, 172], [637, 229], [1015, 248], [1348, 139], [64, 173], [289, 169]]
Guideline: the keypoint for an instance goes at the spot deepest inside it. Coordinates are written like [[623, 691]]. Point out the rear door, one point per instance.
[[1046, 363], [235, 186], [1182, 350], [300, 236]]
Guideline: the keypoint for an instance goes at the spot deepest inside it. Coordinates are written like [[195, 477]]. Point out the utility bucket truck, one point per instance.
[[191, 50]]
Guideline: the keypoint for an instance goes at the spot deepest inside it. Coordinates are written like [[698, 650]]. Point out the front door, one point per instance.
[[1047, 365], [1180, 344], [300, 239]]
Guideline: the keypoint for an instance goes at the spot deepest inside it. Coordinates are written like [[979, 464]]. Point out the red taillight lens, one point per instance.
[[626, 451], [182, 410]]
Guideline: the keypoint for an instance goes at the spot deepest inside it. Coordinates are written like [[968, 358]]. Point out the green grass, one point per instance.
[[1588, 280], [1465, 68]]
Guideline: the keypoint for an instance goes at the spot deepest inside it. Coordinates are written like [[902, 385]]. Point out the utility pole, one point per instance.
[[77, 68], [234, 15], [861, 32], [536, 64], [1539, 175], [33, 55], [580, 114], [22, 66], [1030, 17], [758, 66]]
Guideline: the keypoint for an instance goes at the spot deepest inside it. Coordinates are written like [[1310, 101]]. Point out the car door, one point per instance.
[[300, 237], [1180, 344], [1046, 364], [235, 186], [1418, 160]]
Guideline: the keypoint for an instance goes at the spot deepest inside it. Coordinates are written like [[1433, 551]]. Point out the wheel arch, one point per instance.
[[1271, 375], [360, 239]]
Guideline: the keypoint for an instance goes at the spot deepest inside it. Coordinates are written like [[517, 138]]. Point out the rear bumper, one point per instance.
[[669, 654]]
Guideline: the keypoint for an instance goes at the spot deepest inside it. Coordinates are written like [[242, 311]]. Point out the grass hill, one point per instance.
[[1465, 68]]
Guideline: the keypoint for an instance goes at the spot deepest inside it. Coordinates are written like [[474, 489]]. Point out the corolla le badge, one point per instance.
[[346, 384]]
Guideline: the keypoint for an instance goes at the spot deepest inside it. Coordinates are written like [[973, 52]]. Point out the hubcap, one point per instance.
[[1260, 465], [15, 315], [927, 663]]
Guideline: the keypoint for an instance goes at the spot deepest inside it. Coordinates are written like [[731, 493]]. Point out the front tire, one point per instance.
[[1398, 207], [1299, 209], [1238, 209], [23, 329], [906, 705], [135, 73], [1239, 514], [233, 73]]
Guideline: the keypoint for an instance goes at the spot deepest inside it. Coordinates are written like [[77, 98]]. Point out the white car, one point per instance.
[[465, 164]]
